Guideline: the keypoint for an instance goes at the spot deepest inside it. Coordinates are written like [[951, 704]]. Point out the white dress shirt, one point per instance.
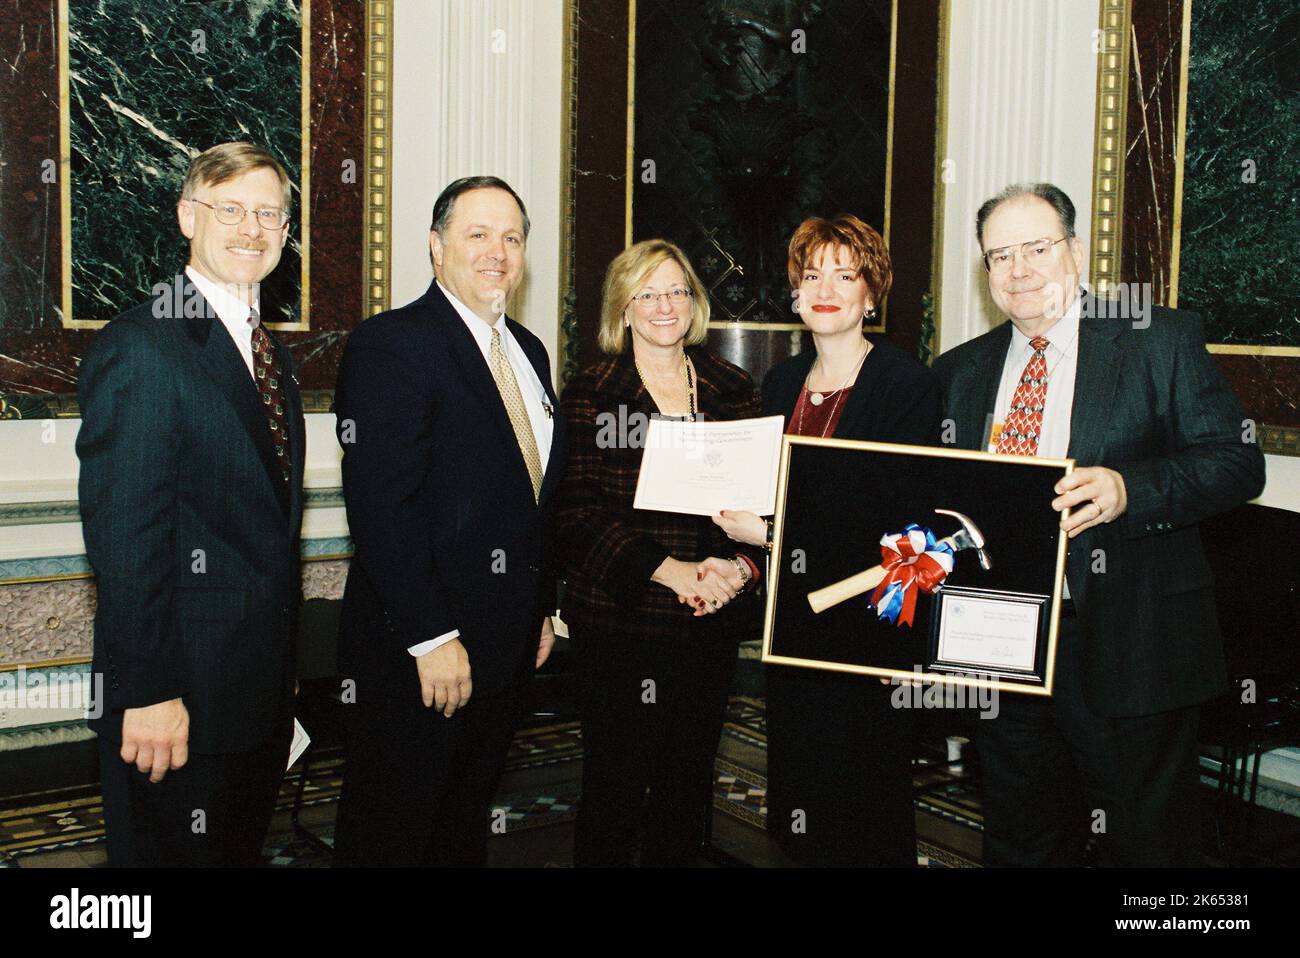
[[1062, 361], [536, 403], [231, 310]]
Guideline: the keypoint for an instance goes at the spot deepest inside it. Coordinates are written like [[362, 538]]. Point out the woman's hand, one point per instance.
[[705, 592], [742, 526]]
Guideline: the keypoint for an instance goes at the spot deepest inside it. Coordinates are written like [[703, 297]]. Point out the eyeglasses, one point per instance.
[[232, 214], [647, 300], [1033, 253]]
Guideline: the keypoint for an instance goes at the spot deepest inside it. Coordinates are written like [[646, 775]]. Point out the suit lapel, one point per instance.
[[976, 405], [220, 360], [466, 353], [1096, 379], [785, 391], [552, 473], [856, 404]]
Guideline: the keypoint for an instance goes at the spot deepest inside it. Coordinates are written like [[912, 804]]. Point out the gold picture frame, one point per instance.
[[1049, 544]]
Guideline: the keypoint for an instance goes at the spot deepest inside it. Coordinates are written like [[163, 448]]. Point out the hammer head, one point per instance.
[[968, 537]]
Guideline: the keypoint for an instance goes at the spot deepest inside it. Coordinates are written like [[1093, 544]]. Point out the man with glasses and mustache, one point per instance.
[[1158, 441], [191, 448]]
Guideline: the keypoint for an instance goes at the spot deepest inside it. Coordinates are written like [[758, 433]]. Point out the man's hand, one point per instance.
[[1101, 492], [546, 644], [156, 738], [444, 677]]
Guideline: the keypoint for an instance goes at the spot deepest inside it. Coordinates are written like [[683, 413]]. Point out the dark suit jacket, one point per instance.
[[446, 531], [189, 529], [895, 398], [1150, 404], [608, 549]]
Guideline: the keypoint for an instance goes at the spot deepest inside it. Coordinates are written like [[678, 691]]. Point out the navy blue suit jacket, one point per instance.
[[189, 528], [446, 531]]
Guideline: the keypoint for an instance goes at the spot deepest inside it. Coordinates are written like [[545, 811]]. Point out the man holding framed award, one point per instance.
[[1157, 439]]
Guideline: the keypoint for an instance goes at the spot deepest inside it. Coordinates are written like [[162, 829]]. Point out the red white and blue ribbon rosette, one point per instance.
[[914, 562]]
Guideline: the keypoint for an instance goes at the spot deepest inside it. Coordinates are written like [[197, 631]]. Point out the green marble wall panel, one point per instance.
[[149, 86], [1241, 178]]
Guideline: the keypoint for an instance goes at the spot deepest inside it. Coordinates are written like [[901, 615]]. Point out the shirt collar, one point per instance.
[[1062, 336], [480, 330], [230, 309]]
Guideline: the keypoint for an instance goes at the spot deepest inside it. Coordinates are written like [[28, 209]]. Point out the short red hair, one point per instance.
[[866, 248]]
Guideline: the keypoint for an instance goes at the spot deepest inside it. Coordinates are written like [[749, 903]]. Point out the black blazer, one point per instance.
[[189, 528], [1150, 404], [895, 398], [446, 532]]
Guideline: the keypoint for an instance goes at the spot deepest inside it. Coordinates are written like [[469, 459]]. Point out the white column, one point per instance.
[[477, 89], [1022, 78]]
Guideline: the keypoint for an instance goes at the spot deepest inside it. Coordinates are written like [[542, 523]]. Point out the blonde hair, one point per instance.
[[225, 161], [627, 274]]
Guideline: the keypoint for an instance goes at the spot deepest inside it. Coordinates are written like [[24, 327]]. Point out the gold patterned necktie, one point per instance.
[[508, 386]]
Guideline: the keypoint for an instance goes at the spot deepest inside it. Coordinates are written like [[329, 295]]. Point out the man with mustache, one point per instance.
[[191, 448], [452, 451], [1159, 445]]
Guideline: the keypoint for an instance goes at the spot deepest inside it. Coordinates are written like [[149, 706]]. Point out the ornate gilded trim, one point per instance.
[[566, 347], [377, 237], [1109, 137], [940, 185]]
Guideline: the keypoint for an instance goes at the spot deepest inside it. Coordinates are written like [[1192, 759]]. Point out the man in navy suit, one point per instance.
[[191, 448], [452, 451]]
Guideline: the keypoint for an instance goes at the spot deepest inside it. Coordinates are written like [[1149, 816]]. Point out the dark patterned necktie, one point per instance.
[[1024, 422], [270, 388]]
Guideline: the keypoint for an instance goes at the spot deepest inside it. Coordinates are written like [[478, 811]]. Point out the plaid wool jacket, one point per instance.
[[607, 550]]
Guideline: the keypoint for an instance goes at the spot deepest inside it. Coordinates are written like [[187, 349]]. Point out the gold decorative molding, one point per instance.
[[631, 121], [568, 189], [377, 240], [1109, 139], [940, 185]]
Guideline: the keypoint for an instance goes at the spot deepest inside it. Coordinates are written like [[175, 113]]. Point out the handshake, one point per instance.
[[707, 585]]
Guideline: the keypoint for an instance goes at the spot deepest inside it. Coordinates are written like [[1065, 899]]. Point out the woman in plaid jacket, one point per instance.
[[656, 602]]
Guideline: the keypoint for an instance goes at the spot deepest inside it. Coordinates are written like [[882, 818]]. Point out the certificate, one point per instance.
[[989, 632], [701, 468]]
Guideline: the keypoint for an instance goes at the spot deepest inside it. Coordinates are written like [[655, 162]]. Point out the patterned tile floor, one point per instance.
[[67, 823]]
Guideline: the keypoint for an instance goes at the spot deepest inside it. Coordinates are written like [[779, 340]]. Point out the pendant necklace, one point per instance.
[[817, 398]]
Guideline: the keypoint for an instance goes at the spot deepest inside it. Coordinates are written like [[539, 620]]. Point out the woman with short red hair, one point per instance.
[[839, 757]]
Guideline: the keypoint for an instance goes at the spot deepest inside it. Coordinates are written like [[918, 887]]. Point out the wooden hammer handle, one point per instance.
[[823, 599]]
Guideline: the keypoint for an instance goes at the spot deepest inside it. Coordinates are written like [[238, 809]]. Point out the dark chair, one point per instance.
[[1257, 582]]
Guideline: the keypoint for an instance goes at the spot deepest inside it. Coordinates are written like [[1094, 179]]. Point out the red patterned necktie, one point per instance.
[[270, 387], [1024, 423]]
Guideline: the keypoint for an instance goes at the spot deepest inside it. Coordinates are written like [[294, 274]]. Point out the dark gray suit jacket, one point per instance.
[[189, 529], [1150, 404]]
